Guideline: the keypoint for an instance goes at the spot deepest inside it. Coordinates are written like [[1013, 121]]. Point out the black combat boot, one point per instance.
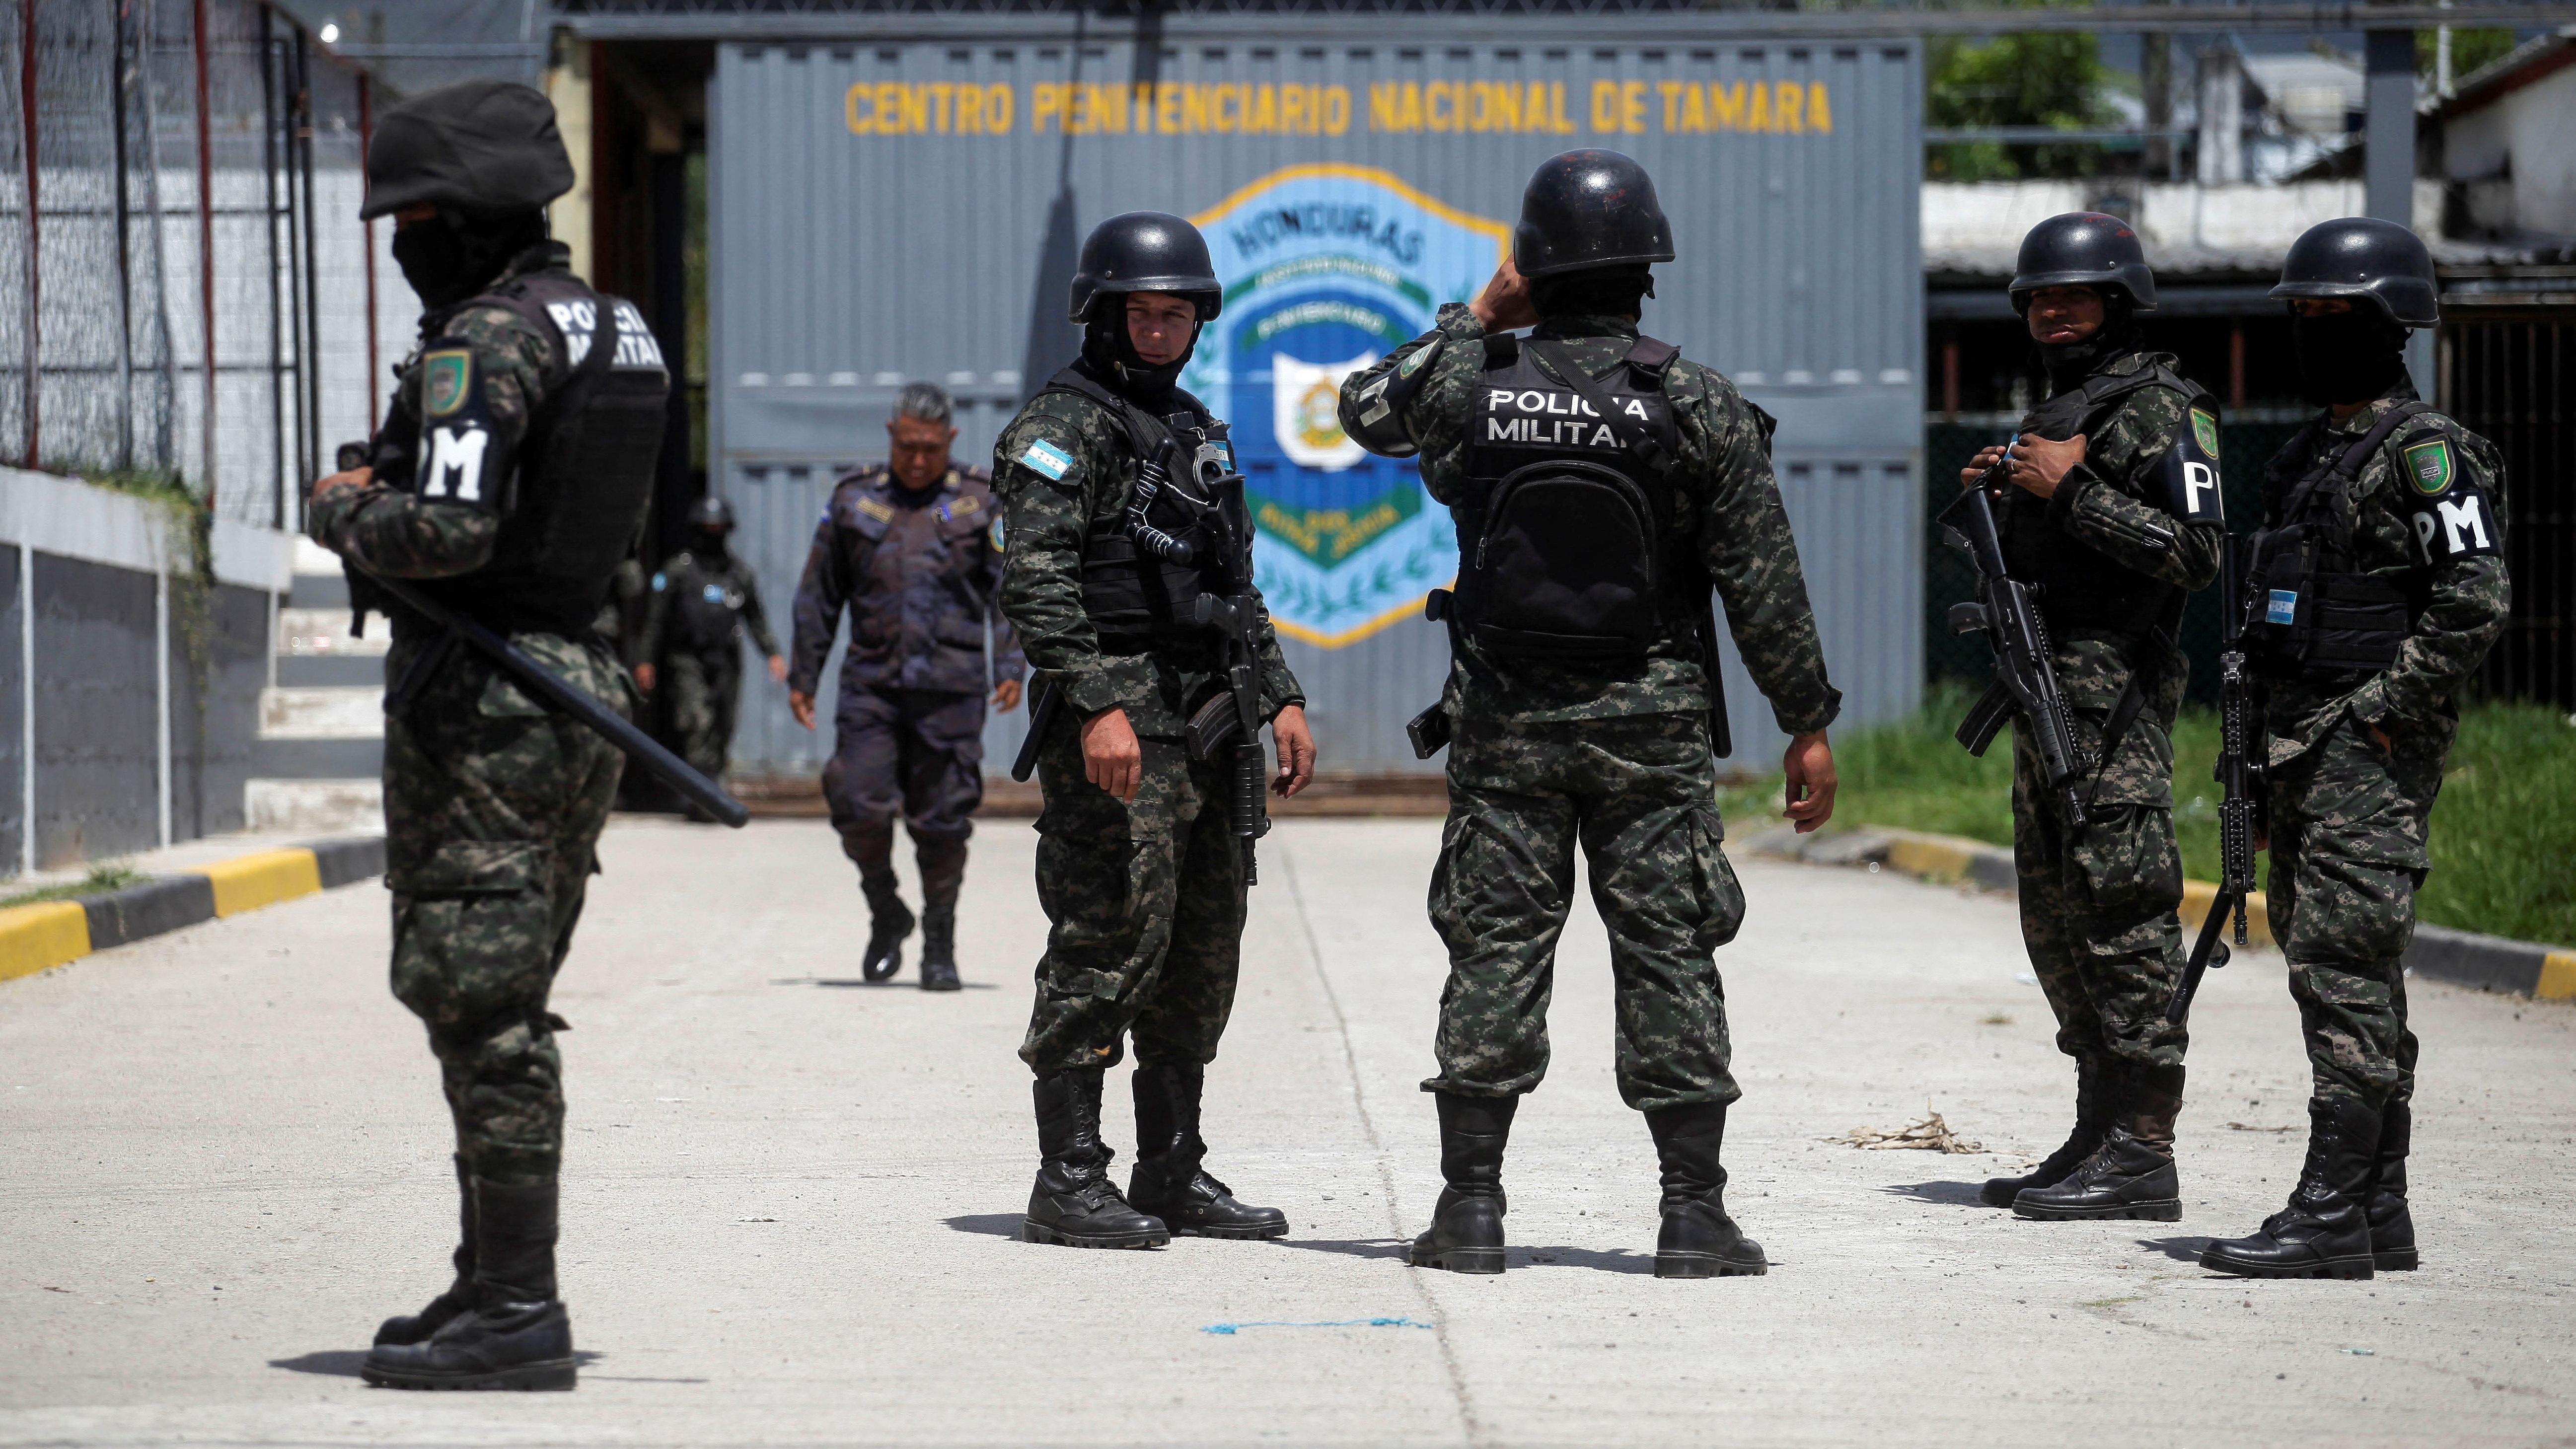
[[2131, 1175], [2392, 1227], [943, 870], [2325, 1231], [1074, 1202], [1698, 1239], [2093, 1103], [889, 921], [1168, 1181], [414, 1327], [517, 1335], [1466, 1232]]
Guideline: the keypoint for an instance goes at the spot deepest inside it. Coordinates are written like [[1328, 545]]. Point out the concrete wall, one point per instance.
[[2525, 143], [124, 723]]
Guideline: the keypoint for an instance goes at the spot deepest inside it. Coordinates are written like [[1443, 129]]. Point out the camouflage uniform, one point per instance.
[[918, 573], [2099, 903], [1615, 755], [2348, 818], [493, 803], [701, 605], [1145, 898]]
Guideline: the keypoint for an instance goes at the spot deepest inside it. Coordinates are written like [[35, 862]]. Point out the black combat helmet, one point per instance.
[[2083, 249], [712, 514], [2362, 256], [1145, 251], [1588, 209], [483, 148]]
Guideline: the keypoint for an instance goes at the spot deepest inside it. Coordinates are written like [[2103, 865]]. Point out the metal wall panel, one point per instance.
[[848, 260]]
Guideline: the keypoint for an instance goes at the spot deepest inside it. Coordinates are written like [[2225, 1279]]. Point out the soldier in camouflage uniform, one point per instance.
[[913, 549], [493, 803], [1140, 876], [702, 601], [2113, 511], [1580, 695], [2373, 595]]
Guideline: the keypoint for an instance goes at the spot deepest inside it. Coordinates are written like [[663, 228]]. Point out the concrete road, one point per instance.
[[792, 1201]]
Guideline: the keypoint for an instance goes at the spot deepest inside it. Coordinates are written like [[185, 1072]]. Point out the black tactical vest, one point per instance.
[[2081, 589], [1565, 538], [2307, 606], [1125, 589], [583, 479]]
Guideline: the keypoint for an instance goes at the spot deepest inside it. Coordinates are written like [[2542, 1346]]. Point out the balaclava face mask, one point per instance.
[[1111, 351], [710, 542], [2347, 357], [450, 257], [2072, 362]]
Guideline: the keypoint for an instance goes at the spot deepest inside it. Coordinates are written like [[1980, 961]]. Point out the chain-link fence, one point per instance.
[[1947, 577], [175, 171]]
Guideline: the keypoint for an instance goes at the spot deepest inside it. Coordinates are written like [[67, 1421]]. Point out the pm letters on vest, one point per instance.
[[1543, 417], [2455, 527]]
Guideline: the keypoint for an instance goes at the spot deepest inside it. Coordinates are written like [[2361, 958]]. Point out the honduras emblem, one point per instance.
[[1327, 268]]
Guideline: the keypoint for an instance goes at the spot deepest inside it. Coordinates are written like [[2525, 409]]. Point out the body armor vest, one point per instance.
[[1565, 538], [584, 470], [1127, 590], [2082, 590], [2308, 605]]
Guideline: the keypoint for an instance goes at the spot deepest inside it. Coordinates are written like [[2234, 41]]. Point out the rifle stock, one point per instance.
[[2240, 775]]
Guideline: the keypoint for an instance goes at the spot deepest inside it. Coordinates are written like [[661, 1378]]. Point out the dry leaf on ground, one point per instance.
[[1929, 1135]]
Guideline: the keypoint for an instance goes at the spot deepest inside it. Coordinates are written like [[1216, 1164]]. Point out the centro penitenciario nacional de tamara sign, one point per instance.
[[1266, 108]]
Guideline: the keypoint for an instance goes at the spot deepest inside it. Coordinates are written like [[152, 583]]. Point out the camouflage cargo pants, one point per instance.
[[1145, 905], [2099, 903], [1639, 793], [493, 805], [2348, 823], [706, 692]]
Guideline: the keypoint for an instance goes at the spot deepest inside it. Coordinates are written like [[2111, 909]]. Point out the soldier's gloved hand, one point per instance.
[[1296, 751], [801, 705], [1809, 764], [1006, 695], [1111, 757]]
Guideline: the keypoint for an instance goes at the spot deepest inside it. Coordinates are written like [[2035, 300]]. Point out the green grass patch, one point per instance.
[[2504, 830], [112, 876]]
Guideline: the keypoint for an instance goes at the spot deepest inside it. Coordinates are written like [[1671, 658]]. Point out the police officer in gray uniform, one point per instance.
[[913, 549]]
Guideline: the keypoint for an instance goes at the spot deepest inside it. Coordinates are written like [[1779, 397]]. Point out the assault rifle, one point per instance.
[[2239, 774], [1228, 726], [2006, 611], [370, 590]]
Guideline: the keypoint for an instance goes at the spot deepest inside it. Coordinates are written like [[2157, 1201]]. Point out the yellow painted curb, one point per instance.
[[248, 882], [1942, 857], [2557, 976], [2196, 896], [47, 934]]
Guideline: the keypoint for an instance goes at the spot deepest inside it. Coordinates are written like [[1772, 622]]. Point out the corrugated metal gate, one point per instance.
[[886, 212]]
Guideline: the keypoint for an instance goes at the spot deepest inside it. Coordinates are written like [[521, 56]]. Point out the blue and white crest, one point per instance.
[[1327, 268]]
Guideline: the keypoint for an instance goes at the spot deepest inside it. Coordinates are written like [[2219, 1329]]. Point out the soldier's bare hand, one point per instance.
[[778, 668], [1986, 458], [1296, 751], [801, 705], [1505, 303], [1006, 695], [2039, 465], [1111, 757], [349, 478], [644, 677], [1809, 764]]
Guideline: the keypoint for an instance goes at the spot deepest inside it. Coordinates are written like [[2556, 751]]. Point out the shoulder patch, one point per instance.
[[1047, 458], [2429, 465], [995, 532], [876, 508], [2204, 430], [446, 380]]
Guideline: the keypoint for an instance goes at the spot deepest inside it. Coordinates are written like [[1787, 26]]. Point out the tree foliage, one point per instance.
[[2037, 79]]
